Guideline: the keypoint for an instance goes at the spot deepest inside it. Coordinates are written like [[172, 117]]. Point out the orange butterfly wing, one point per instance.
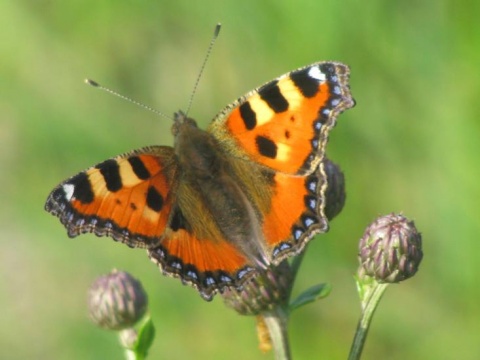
[[133, 199], [128, 198], [284, 124], [209, 265], [296, 213]]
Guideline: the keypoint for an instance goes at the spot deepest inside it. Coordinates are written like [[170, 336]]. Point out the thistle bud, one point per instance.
[[262, 292], [390, 250], [335, 193], [116, 301]]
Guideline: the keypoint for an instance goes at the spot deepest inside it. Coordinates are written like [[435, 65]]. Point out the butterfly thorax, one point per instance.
[[195, 149], [207, 171]]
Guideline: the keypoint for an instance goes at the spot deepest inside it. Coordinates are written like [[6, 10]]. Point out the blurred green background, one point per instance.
[[410, 145]]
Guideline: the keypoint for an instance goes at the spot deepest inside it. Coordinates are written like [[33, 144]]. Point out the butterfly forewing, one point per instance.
[[127, 198], [284, 124]]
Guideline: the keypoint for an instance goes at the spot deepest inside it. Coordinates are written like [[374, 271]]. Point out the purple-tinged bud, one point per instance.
[[390, 251], [116, 301], [261, 293]]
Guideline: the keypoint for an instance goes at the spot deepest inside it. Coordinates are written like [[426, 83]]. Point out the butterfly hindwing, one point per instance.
[[296, 213], [290, 208], [208, 265], [194, 249], [127, 198], [284, 124]]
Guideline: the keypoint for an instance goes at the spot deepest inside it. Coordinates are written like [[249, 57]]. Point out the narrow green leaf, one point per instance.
[[146, 334], [310, 295]]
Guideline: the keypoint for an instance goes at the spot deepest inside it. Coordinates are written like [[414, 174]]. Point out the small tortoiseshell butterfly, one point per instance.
[[222, 203]]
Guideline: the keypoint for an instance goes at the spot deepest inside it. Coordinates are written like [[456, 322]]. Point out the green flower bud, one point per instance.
[[262, 292], [116, 301], [335, 194], [390, 250]]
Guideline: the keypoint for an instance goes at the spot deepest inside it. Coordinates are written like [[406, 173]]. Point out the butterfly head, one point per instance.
[[181, 121]]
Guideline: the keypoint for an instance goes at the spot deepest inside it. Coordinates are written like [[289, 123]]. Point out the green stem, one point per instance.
[[277, 321], [369, 305], [133, 355]]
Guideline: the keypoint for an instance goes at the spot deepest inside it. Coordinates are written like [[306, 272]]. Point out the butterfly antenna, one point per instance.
[[110, 91], [209, 50]]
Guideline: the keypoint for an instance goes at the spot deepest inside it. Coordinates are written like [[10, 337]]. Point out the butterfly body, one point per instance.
[[226, 202], [210, 177]]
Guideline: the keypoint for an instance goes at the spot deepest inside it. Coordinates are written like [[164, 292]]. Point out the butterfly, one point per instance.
[[224, 203]]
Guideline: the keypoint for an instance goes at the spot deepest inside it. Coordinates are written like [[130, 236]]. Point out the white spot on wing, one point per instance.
[[316, 73], [68, 189]]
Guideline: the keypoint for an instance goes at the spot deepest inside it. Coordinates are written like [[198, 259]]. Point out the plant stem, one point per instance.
[[277, 321], [133, 355], [369, 305]]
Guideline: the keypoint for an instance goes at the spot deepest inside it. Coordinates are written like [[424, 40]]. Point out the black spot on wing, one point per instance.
[[139, 168], [111, 173], [307, 85], [266, 147], [274, 98], [178, 220], [82, 189], [328, 69], [154, 199], [248, 116]]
